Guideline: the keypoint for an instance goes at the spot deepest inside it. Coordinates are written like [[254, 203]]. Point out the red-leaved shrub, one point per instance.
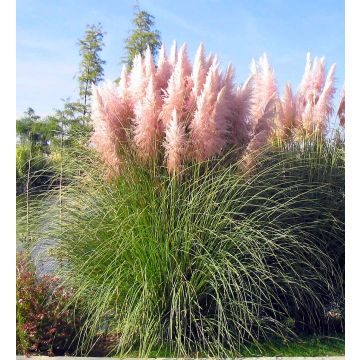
[[43, 324]]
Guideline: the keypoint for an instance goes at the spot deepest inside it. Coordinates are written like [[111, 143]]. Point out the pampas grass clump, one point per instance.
[[221, 222], [208, 263]]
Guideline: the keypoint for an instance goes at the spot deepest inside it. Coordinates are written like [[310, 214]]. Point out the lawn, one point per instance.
[[309, 346]]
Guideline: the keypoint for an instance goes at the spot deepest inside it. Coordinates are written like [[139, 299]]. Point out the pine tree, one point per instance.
[[142, 36], [91, 66]]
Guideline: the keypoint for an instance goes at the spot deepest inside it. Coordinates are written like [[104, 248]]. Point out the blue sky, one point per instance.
[[48, 30]]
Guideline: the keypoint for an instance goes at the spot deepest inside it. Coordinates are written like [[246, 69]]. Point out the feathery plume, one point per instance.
[[184, 60], [149, 66], [265, 90], [262, 133], [242, 113], [137, 79], [341, 109], [287, 118], [126, 97], [266, 122], [228, 81], [115, 110], [177, 91], [102, 137], [163, 71], [307, 117], [197, 79], [209, 125], [304, 84], [230, 101], [146, 122], [318, 78], [323, 108], [312, 82], [199, 71], [209, 61], [124, 80], [175, 144]]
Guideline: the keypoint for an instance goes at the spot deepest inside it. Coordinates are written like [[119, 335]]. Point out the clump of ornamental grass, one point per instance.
[[206, 260], [214, 216]]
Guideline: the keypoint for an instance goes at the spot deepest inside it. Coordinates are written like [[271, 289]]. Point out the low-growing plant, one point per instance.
[[43, 322]]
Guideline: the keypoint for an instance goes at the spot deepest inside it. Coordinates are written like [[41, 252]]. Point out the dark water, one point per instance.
[[30, 231]]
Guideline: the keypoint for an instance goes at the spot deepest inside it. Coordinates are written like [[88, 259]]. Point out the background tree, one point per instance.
[[142, 36], [24, 125], [35, 131], [91, 66], [33, 150]]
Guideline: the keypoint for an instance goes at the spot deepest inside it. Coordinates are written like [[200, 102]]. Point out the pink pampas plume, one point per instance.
[[112, 112], [102, 137], [314, 96], [177, 92], [200, 131], [230, 100], [221, 120], [268, 81], [318, 78], [323, 108], [341, 109], [137, 79], [262, 133], [115, 110], [198, 77], [175, 144], [305, 84], [266, 122], [307, 117], [124, 81], [184, 60], [209, 61], [149, 66], [305, 81], [125, 95], [265, 88], [241, 118], [163, 71], [287, 117], [228, 81], [209, 126], [199, 71], [311, 83], [146, 122]]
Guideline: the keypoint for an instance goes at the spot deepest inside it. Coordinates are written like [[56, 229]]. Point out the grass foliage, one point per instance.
[[209, 261]]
